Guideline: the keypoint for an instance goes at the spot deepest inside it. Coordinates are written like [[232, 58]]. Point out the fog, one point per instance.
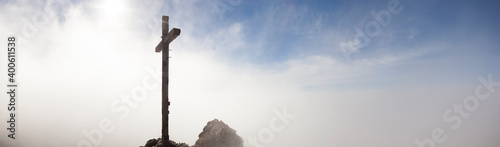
[[82, 64]]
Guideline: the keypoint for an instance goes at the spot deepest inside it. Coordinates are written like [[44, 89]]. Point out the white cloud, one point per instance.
[[414, 32], [77, 65], [350, 46]]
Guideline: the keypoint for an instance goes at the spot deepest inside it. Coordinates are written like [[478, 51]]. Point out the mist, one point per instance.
[[280, 73]]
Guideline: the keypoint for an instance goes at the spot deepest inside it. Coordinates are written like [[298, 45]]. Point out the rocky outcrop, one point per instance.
[[218, 134], [215, 134], [158, 143]]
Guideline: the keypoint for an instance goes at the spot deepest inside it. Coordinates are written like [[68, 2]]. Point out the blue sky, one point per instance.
[[244, 62]]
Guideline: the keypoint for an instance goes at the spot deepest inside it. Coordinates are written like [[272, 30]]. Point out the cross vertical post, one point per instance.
[[163, 47]]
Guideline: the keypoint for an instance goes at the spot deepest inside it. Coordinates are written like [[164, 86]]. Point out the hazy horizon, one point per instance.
[[281, 73]]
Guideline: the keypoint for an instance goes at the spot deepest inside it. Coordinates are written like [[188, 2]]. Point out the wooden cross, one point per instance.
[[166, 38]]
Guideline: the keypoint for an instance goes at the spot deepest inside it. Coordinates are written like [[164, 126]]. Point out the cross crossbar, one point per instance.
[[167, 39]]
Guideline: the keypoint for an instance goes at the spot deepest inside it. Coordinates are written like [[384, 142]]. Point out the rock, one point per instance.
[[218, 134], [215, 134], [151, 143], [158, 143]]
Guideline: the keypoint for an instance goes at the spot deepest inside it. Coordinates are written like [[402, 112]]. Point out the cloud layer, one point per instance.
[[244, 62]]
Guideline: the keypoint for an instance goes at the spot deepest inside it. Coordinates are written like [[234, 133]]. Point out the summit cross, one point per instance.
[[166, 39]]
